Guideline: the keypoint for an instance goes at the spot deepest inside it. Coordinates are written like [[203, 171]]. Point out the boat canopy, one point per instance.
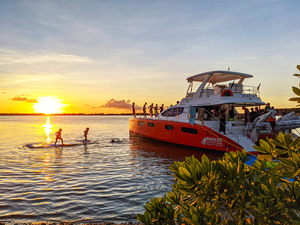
[[219, 76]]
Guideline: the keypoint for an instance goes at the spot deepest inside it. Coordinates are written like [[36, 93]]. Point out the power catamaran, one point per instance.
[[195, 120]]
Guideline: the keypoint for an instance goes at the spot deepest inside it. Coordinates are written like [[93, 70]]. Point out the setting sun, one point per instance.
[[48, 105]]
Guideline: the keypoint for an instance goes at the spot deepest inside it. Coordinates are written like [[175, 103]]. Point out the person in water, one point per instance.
[[85, 133], [58, 136]]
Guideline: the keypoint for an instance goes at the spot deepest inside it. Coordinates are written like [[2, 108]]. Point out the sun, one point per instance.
[[48, 105]]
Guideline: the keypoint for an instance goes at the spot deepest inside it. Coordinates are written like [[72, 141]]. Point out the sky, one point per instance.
[[99, 56]]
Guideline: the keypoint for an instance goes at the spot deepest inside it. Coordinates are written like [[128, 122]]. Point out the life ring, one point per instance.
[[226, 93]]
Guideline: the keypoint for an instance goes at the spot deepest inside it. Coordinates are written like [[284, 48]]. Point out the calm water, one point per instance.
[[100, 182]]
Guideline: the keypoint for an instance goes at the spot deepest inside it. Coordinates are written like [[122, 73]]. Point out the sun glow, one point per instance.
[[48, 105], [48, 127]]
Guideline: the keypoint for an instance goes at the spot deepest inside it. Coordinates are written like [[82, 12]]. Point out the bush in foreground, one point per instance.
[[228, 191]]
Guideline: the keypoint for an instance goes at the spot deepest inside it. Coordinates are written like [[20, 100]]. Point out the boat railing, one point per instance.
[[252, 90]]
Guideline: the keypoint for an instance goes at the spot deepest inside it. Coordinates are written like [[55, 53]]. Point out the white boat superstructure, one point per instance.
[[217, 93]]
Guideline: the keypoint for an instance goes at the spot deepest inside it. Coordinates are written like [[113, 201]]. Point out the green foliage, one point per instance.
[[228, 191], [295, 89]]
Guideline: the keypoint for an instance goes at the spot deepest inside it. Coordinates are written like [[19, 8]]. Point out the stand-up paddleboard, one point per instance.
[[66, 144]]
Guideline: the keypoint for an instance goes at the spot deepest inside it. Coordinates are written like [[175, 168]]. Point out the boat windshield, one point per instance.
[[173, 112]]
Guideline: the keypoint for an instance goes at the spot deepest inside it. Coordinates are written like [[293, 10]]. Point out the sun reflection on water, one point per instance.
[[48, 127]]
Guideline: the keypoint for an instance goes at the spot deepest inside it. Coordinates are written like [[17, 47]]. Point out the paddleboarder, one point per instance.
[[85, 133], [58, 136]]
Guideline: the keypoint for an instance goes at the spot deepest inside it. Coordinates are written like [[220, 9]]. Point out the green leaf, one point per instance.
[[287, 162], [296, 90], [296, 173], [194, 218], [295, 100], [295, 158], [264, 145], [184, 172], [260, 149]]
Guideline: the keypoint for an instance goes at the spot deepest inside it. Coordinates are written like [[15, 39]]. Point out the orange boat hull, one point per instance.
[[182, 133]]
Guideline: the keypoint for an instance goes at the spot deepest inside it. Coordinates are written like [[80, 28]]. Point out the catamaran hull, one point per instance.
[[182, 133]]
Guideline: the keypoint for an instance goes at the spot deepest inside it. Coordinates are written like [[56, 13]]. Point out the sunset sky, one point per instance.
[[100, 56]]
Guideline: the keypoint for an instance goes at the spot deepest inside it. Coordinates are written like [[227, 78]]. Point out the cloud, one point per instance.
[[9, 57], [24, 99], [121, 104]]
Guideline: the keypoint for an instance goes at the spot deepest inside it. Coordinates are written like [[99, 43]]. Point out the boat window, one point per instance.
[[189, 130], [173, 111], [169, 127], [150, 124], [141, 123]]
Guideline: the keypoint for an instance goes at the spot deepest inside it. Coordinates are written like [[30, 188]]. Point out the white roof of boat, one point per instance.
[[218, 76]]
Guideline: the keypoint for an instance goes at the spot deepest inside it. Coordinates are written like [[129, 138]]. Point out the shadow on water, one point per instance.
[[153, 148]]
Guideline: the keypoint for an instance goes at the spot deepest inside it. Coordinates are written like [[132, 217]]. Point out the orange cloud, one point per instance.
[[121, 104], [24, 99]]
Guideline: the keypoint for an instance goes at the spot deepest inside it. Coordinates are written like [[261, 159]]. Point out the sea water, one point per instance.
[[100, 182]]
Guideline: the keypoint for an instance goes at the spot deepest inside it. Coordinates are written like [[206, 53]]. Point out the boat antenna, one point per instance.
[[231, 85], [258, 86]]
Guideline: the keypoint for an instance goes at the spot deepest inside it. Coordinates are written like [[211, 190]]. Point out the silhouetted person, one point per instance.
[[272, 118], [156, 110], [144, 109], [247, 116], [151, 110], [252, 115], [133, 110], [161, 108], [58, 136], [85, 133], [231, 113], [223, 121]]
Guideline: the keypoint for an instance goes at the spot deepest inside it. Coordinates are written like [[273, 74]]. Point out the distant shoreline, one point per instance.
[[296, 110], [65, 114]]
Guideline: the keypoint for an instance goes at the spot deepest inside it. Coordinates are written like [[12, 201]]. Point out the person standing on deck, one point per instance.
[[247, 115], [223, 121], [252, 115], [267, 108], [232, 113], [85, 133], [151, 110], [272, 118], [161, 108], [133, 110], [156, 110], [257, 111], [144, 109]]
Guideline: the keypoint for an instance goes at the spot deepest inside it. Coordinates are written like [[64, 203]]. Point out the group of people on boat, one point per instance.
[[58, 136], [154, 111], [249, 116]]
